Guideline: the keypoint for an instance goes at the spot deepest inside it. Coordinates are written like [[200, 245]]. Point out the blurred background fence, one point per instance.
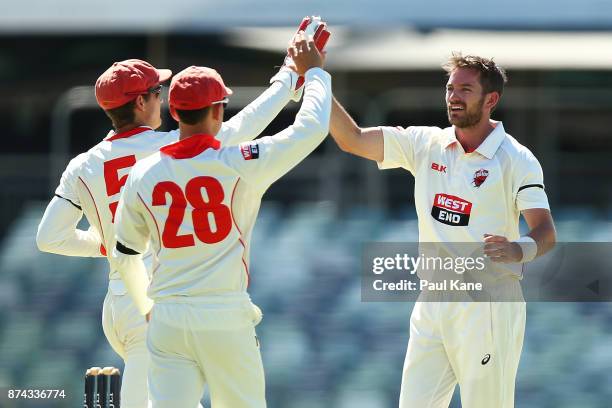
[[322, 346]]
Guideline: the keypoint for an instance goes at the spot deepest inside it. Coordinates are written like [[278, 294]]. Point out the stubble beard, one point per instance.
[[470, 118]]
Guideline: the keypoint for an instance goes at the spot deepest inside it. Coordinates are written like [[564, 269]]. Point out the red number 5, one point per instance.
[[201, 213], [113, 181]]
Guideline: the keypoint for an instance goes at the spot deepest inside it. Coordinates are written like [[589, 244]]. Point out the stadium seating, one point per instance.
[[322, 346]]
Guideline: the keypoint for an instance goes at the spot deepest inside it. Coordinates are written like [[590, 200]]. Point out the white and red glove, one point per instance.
[[312, 27]]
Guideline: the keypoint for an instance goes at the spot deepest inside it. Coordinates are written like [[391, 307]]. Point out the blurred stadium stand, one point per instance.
[[322, 347]]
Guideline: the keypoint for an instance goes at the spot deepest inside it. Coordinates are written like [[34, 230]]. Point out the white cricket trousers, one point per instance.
[[474, 344], [125, 330], [196, 344]]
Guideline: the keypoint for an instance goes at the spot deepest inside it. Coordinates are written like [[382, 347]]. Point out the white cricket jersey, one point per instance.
[[94, 180], [461, 196], [197, 202]]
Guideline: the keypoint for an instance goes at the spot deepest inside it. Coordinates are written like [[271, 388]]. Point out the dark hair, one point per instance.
[[124, 115], [492, 76], [192, 117]]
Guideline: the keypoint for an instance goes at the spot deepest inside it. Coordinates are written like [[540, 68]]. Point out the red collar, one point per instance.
[[191, 146], [127, 133]]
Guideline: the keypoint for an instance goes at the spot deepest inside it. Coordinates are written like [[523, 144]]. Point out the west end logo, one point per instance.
[[249, 150], [451, 210], [479, 177]]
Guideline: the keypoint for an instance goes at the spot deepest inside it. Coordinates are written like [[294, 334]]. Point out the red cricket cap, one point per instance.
[[196, 88], [125, 80]]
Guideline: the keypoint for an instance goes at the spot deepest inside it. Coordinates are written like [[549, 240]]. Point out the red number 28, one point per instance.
[[200, 214]]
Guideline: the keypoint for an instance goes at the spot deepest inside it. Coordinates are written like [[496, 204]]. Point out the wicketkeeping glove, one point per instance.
[[312, 26]]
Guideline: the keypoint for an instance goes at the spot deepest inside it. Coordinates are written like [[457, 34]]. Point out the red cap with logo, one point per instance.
[[196, 88], [125, 80]]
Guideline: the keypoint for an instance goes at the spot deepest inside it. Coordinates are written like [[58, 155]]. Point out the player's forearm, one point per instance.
[[263, 162], [255, 117], [311, 124], [57, 232], [545, 236], [134, 275], [78, 243], [315, 112], [363, 142], [541, 230], [283, 151], [343, 128]]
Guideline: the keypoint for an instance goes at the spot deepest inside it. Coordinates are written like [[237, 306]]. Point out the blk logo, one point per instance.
[[486, 359], [438, 167]]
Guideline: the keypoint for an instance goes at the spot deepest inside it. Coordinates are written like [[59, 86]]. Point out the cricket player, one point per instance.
[[195, 203], [472, 183], [129, 93]]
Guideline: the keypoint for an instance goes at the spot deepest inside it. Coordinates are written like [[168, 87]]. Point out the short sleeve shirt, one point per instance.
[[461, 196]]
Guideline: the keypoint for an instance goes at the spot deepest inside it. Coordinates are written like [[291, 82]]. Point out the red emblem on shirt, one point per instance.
[[451, 210], [250, 150], [479, 177]]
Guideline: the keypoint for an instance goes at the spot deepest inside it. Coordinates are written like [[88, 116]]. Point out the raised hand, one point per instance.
[[304, 53]]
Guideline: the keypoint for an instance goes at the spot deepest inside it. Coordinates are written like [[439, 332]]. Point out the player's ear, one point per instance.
[[217, 112], [139, 103], [492, 99]]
